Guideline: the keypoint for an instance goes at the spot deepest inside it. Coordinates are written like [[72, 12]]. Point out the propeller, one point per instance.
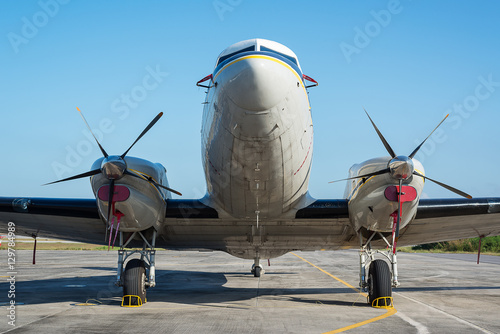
[[401, 168], [113, 167]]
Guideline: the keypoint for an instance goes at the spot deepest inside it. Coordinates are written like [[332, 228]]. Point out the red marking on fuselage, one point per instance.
[[215, 169], [307, 154]]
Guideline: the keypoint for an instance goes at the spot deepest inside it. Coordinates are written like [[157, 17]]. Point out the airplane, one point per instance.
[[257, 145]]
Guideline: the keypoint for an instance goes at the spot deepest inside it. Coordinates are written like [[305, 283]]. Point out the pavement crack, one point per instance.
[[257, 294]]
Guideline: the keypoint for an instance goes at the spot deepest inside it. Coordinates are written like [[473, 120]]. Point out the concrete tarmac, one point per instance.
[[215, 293]]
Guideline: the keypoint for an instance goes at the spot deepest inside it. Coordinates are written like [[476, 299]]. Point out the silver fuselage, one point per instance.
[[257, 137]]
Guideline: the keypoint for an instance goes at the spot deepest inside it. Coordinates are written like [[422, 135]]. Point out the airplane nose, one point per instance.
[[258, 84]]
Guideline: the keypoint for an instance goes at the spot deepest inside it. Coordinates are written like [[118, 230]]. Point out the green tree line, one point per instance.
[[488, 245]]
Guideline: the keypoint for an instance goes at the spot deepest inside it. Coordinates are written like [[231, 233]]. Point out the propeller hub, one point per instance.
[[113, 167], [401, 167]]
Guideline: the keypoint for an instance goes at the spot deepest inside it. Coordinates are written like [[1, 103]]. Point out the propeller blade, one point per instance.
[[110, 203], [386, 144], [456, 191], [98, 144], [143, 133], [419, 146], [79, 176], [379, 172], [162, 186], [150, 179]]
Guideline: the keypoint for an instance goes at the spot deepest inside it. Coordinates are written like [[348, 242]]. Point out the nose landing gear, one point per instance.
[[257, 269]]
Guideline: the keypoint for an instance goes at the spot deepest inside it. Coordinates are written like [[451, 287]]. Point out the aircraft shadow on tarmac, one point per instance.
[[181, 287], [188, 287]]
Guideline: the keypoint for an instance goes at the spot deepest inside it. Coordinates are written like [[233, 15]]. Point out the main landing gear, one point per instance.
[[380, 279], [139, 273]]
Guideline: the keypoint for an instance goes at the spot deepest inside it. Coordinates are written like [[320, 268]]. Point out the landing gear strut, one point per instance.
[[139, 273], [380, 279]]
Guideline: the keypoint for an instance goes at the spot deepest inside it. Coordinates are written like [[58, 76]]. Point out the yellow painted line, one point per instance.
[[336, 278], [389, 312]]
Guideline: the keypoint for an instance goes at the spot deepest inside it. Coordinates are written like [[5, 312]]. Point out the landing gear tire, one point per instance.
[[379, 281], [257, 271], [134, 279]]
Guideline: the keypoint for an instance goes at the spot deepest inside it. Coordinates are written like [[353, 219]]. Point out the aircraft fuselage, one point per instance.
[[257, 136]]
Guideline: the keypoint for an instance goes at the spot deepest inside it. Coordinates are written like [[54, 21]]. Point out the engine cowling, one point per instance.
[[140, 203], [373, 201]]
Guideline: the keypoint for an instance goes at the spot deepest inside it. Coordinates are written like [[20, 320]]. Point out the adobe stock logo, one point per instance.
[[373, 28], [223, 6], [122, 106], [460, 112], [38, 20]]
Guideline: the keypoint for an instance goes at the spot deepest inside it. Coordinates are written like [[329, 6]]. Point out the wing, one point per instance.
[[59, 218], [451, 219], [436, 220], [77, 219], [190, 222]]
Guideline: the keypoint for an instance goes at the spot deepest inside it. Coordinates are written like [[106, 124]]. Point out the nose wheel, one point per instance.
[[379, 281], [257, 269]]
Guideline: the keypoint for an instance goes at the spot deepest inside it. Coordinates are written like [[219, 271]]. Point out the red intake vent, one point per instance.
[[121, 193], [409, 194]]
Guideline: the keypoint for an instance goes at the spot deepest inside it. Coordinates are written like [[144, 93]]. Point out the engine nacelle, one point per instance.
[[373, 201], [139, 203]]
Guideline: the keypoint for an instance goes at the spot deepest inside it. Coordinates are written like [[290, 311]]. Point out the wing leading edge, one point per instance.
[[451, 219], [76, 219], [436, 220]]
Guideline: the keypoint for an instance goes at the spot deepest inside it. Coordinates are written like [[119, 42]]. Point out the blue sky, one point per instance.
[[407, 62]]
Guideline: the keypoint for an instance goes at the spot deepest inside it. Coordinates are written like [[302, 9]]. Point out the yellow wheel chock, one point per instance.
[[132, 301], [383, 302]]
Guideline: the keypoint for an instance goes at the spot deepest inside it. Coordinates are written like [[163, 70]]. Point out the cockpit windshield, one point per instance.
[[258, 45], [221, 59], [292, 59]]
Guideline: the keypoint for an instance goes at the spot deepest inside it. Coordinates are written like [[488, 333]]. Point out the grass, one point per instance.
[[489, 246]]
